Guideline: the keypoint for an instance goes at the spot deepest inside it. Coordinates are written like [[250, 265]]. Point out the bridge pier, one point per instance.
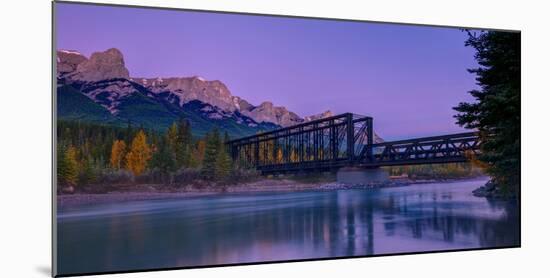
[[357, 175]]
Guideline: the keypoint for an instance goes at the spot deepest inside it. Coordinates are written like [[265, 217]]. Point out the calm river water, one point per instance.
[[252, 227]]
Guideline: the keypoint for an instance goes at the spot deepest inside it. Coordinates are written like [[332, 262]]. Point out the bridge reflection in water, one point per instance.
[[345, 140]]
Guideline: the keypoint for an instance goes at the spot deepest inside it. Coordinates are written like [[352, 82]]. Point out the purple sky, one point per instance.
[[406, 77]]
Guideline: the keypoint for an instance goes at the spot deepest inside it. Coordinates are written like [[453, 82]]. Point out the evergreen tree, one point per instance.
[[139, 154], [172, 136], [208, 170], [164, 158], [225, 137], [223, 160], [496, 110], [88, 173], [183, 147], [129, 132], [197, 155]]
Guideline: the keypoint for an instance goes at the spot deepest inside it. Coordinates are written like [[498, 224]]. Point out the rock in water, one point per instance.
[[489, 190], [67, 189]]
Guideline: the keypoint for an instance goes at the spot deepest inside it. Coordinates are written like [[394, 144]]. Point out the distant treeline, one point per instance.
[[90, 153], [437, 171]]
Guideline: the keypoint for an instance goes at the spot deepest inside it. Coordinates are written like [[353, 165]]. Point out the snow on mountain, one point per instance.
[[109, 93]]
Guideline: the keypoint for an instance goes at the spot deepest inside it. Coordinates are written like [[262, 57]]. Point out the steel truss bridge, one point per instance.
[[345, 140]]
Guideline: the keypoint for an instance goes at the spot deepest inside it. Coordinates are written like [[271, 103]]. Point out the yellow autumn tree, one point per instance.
[[293, 156], [279, 158], [266, 152], [139, 154], [71, 166], [471, 156], [262, 153], [118, 152]]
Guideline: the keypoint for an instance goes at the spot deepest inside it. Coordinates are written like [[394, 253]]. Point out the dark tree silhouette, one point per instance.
[[496, 110]]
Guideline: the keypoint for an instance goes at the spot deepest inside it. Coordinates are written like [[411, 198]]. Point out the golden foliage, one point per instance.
[[139, 154], [71, 171], [294, 156], [118, 151], [471, 156], [279, 158], [266, 152]]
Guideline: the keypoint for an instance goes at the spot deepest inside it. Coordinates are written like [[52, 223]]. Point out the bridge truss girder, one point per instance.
[[344, 140]]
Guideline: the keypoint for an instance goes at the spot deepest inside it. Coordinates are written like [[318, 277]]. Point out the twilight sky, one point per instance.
[[407, 77]]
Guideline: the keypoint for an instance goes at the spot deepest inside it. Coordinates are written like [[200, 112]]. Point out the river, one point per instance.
[[251, 227]]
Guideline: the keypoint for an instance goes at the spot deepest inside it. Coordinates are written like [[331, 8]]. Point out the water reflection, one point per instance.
[[241, 228]]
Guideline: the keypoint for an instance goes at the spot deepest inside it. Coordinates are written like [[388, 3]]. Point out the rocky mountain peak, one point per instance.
[[73, 66], [266, 105], [269, 113], [68, 61], [104, 65], [323, 115], [186, 89]]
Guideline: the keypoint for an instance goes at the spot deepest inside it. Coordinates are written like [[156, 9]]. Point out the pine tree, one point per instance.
[[223, 160], [208, 170], [88, 172], [496, 110], [183, 148], [129, 132], [164, 158], [118, 152], [139, 154], [172, 136], [197, 155]]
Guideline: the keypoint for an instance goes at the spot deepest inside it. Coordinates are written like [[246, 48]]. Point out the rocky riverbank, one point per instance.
[[491, 190], [156, 191]]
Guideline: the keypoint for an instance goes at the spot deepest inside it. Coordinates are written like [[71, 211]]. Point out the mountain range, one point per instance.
[[101, 89]]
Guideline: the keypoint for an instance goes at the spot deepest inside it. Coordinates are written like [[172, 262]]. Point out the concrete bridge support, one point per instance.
[[356, 175]]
